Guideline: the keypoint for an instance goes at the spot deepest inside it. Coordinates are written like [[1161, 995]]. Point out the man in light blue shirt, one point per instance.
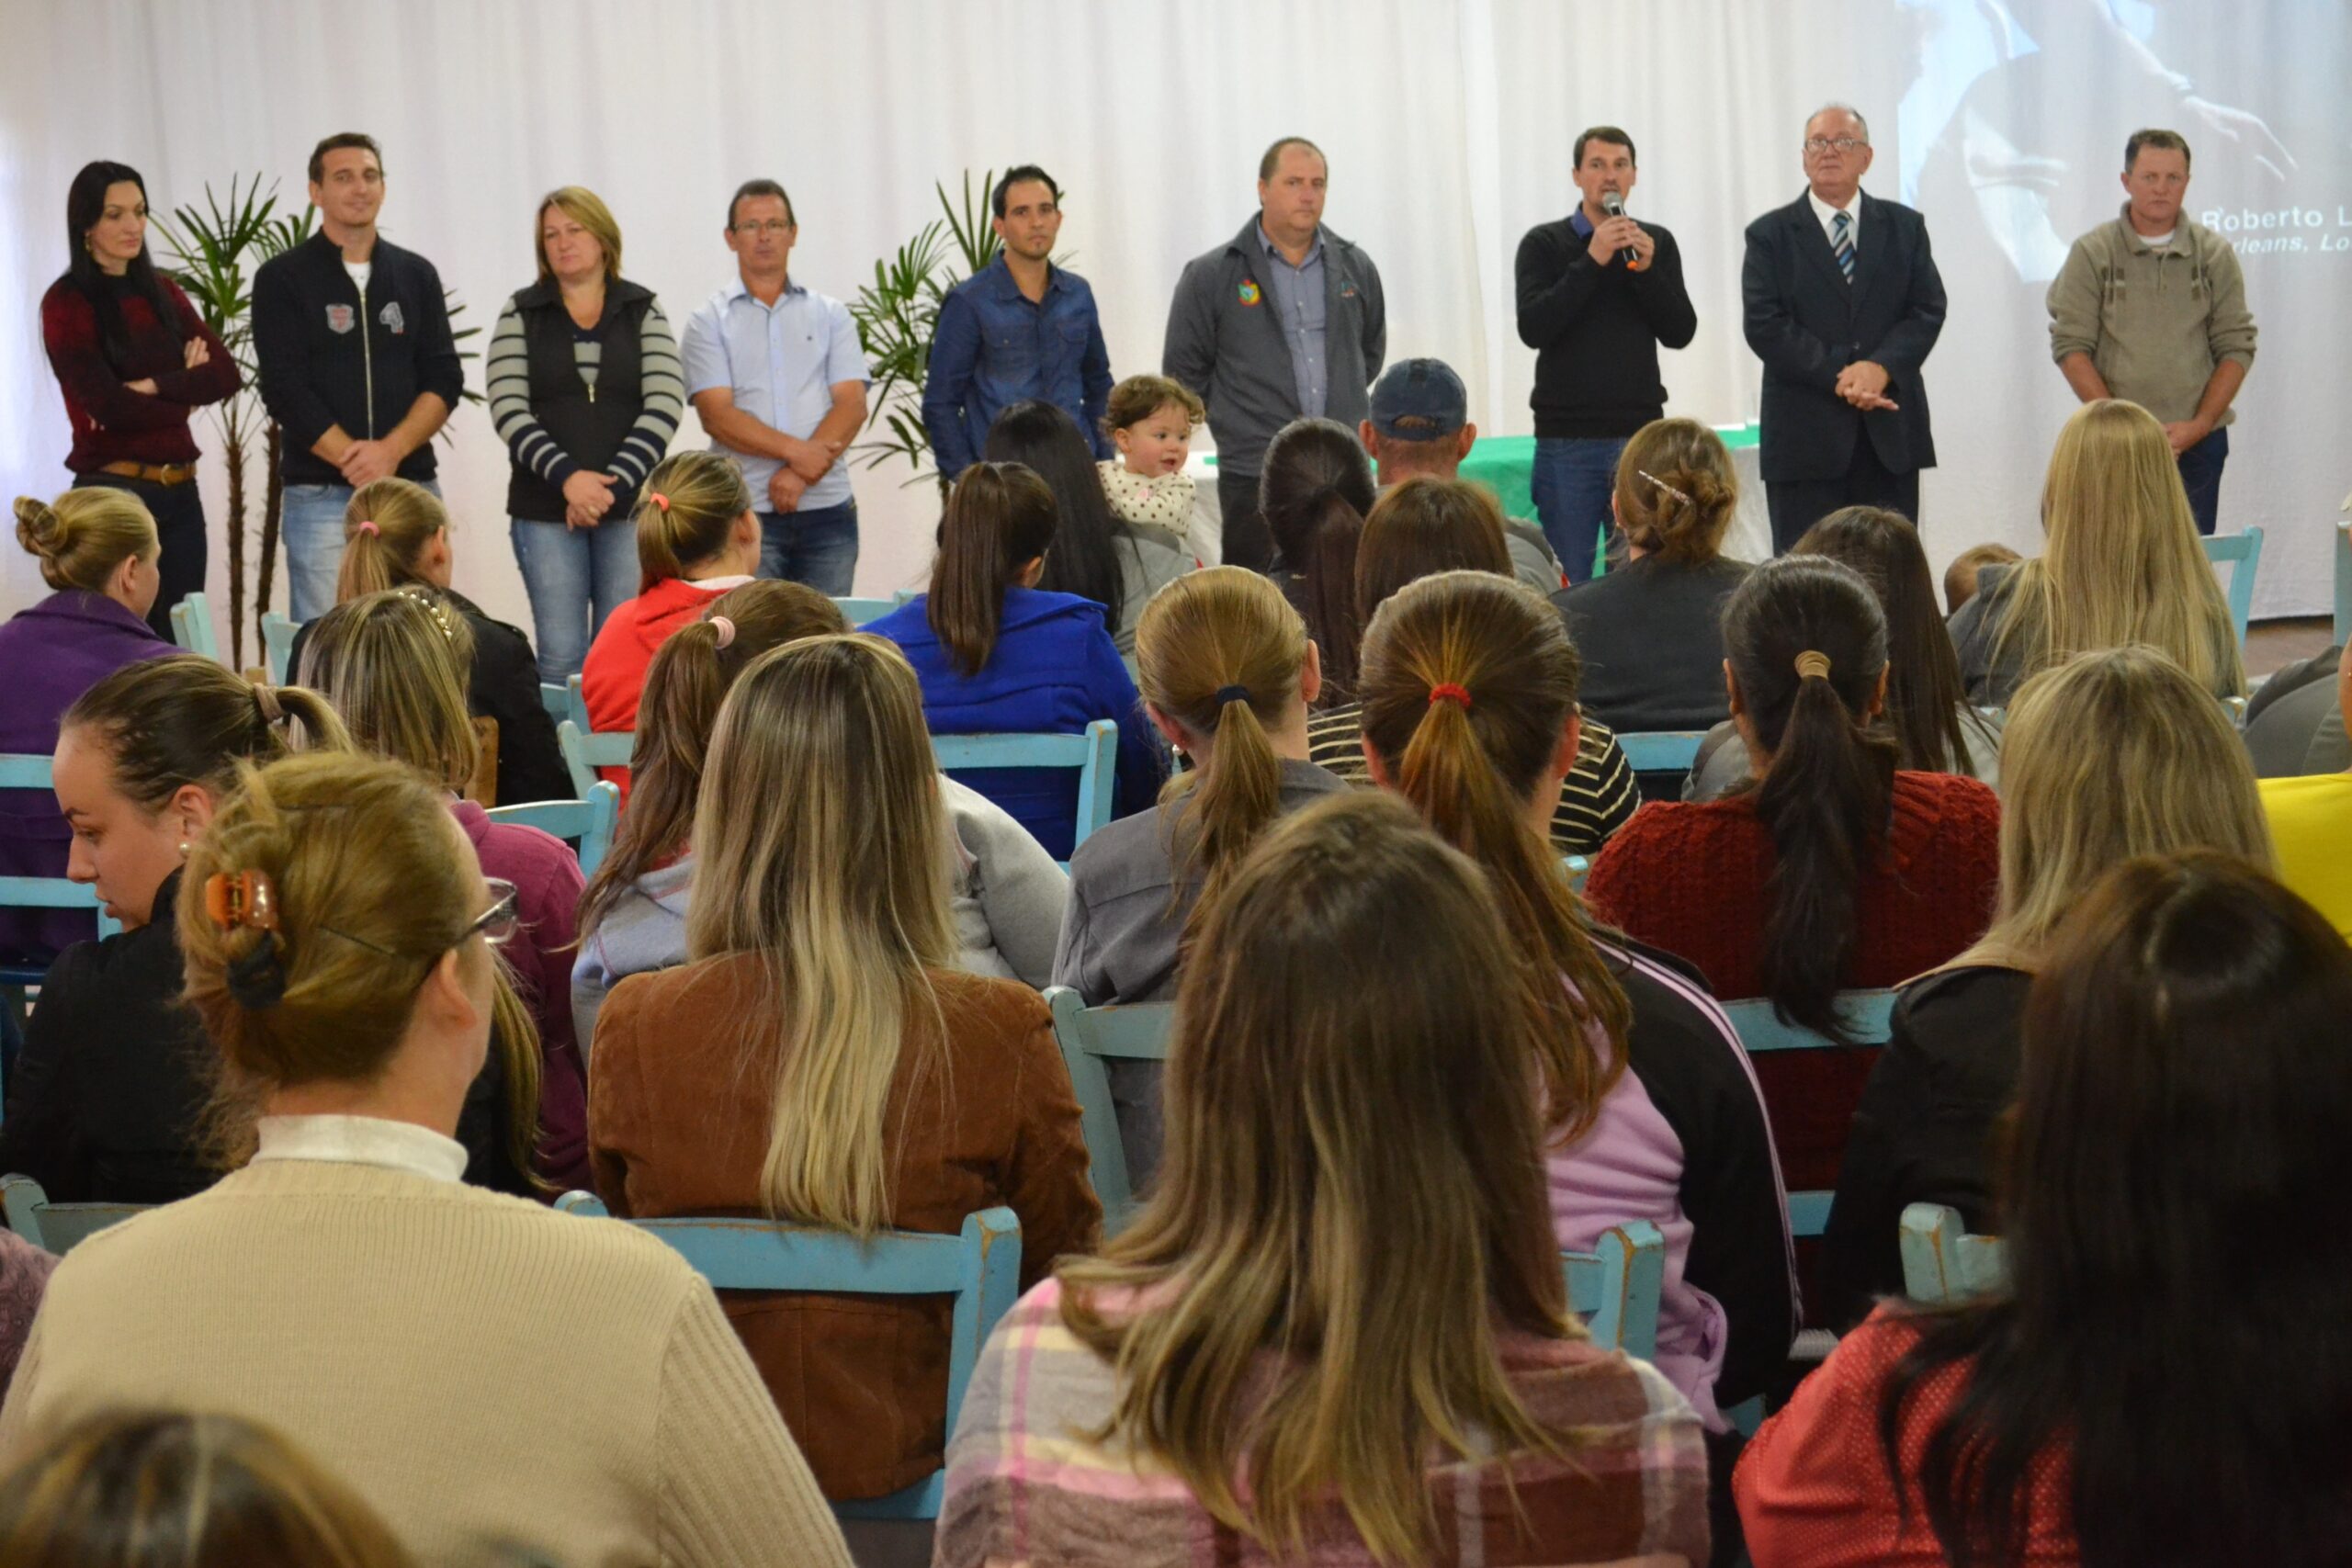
[[777, 374], [1299, 305]]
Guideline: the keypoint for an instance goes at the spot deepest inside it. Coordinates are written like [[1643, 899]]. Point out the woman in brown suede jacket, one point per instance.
[[819, 1062]]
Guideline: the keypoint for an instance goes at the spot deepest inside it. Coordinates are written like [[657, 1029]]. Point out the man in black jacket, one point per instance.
[[1598, 294], [358, 368], [1843, 303]]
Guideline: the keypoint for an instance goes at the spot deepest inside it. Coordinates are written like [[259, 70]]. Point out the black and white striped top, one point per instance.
[[661, 382]]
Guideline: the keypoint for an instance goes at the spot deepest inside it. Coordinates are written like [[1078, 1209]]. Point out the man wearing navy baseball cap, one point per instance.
[[1420, 424]]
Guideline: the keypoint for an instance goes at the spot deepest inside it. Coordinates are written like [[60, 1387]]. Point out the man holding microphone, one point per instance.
[[1598, 294]]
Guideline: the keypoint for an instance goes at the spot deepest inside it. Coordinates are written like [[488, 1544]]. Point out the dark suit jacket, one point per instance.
[[1807, 323]]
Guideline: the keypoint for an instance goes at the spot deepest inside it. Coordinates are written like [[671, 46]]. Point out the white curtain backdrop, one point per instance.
[[1447, 124]]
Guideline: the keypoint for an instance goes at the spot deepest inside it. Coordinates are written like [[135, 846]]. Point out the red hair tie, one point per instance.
[[1447, 691], [365, 526], [658, 498]]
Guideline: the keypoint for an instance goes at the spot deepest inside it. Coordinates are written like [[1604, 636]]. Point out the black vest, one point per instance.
[[590, 426]]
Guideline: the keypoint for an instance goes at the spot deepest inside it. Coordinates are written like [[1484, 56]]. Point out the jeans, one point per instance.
[[312, 525], [178, 511], [2201, 474], [574, 577], [1572, 480], [815, 546]]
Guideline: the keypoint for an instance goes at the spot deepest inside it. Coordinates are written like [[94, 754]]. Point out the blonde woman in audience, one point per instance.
[[396, 535], [2160, 1379], [1005, 892], [2122, 564], [413, 1333], [1423, 525], [105, 1100], [2165, 773], [97, 553], [392, 664], [171, 1489], [1649, 1108], [821, 1061], [1338, 1331], [697, 538]]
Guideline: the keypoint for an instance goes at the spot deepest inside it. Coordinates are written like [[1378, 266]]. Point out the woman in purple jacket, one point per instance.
[[997, 656], [97, 549]]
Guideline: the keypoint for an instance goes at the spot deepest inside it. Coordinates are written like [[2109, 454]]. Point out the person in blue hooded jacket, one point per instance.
[[995, 655]]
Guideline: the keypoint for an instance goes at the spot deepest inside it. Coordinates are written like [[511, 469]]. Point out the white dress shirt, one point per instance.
[[362, 1140], [1827, 215]]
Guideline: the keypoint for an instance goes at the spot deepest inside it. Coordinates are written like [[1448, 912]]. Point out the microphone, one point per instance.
[[1614, 205]]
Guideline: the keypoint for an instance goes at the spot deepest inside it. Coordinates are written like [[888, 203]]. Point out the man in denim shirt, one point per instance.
[[1020, 328]]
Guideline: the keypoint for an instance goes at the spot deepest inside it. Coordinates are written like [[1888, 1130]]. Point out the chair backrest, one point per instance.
[[980, 1267], [277, 645], [588, 824], [2343, 583], [1661, 750], [860, 611], [1614, 1287], [557, 700], [583, 753], [1941, 1262], [2242, 552], [55, 1227], [575, 704], [32, 771], [192, 627], [1869, 1018], [1093, 754], [1135, 1032]]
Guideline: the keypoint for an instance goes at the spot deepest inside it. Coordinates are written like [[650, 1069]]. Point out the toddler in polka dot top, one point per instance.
[[1151, 420]]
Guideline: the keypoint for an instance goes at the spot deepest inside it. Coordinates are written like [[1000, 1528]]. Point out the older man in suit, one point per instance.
[[1842, 304]]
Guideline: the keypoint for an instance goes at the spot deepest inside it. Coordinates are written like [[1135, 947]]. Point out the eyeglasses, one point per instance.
[[498, 923], [765, 226], [1843, 143]]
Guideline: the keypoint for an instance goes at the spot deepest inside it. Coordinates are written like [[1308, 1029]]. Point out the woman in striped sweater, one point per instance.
[[585, 390]]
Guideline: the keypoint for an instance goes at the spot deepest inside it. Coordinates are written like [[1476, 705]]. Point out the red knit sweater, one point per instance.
[[112, 423], [1696, 880]]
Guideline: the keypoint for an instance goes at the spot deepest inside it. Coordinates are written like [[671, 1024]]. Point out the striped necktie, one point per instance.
[[1841, 240]]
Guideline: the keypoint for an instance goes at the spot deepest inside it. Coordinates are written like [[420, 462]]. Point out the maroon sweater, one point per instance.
[[112, 423]]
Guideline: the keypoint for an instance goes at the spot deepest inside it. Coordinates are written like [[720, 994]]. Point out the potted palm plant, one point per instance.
[[898, 315]]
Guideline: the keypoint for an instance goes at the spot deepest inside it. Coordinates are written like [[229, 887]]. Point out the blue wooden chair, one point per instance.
[[21, 771], [1614, 1287], [2343, 583], [980, 1267], [1943, 1263], [1662, 750], [2242, 553], [583, 753], [192, 627], [575, 704], [277, 646], [588, 823], [557, 700], [1869, 1018], [860, 611], [1087, 1035], [1093, 754], [55, 1227]]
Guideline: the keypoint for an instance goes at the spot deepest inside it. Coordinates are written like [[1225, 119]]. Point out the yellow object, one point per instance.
[[2311, 825]]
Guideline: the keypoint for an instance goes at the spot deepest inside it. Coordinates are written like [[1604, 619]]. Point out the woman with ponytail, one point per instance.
[[391, 663], [396, 535], [413, 1334], [97, 553], [1650, 630], [996, 654], [104, 1101], [1313, 493], [697, 538], [1649, 1110], [1005, 893], [1836, 870]]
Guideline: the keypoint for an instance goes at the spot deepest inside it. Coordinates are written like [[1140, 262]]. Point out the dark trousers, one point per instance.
[[178, 511], [1248, 542], [1797, 505], [2201, 474]]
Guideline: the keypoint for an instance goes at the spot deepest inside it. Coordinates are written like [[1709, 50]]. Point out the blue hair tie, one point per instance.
[[1232, 695]]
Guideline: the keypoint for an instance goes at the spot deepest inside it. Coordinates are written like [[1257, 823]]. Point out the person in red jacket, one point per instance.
[[697, 538], [133, 360], [1834, 871]]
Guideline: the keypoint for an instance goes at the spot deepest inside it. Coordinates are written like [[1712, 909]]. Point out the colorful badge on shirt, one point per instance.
[[341, 318], [1248, 293]]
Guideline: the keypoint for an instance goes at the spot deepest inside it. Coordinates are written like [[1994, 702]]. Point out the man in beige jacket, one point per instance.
[[2151, 307]]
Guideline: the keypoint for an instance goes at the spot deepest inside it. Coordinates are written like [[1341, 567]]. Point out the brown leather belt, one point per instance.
[[165, 473]]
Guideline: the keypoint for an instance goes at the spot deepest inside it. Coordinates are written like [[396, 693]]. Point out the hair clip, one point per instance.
[[368, 526], [1232, 695], [1811, 664], [1661, 484], [233, 898], [658, 498], [1448, 692], [726, 629], [434, 606]]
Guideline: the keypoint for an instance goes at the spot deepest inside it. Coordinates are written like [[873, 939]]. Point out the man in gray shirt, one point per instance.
[[1285, 321]]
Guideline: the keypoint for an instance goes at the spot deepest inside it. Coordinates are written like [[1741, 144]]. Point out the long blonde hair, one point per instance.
[[1352, 1207], [685, 513], [2114, 754], [819, 837], [2122, 563], [81, 536], [386, 527], [394, 664]]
